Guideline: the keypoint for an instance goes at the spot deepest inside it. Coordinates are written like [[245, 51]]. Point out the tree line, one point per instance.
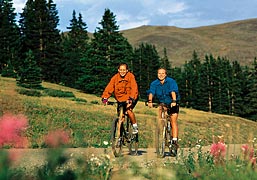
[[33, 50]]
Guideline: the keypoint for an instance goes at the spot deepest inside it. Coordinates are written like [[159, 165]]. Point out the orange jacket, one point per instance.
[[123, 88]]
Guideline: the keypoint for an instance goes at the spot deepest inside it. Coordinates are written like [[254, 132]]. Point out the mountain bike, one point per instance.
[[121, 132], [163, 131]]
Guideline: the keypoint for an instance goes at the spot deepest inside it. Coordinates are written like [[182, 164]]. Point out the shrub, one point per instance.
[[94, 102], [79, 100], [29, 92], [58, 93]]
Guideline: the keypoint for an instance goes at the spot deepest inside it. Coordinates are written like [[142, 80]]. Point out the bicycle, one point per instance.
[[163, 132], [121, 132]]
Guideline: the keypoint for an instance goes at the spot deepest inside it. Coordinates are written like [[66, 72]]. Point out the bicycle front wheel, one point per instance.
[[160, 139], [132, 141], [116, 138]]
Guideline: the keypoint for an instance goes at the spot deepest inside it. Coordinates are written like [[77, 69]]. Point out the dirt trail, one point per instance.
[[33, 158]]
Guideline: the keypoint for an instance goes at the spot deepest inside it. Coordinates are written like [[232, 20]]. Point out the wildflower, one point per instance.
[[218, 149], [247, 151], [198, 146], [105, 143], [12, 128], [57, 138], [249, 154]]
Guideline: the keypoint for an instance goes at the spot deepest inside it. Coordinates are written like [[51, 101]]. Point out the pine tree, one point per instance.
[[39, 21], [75, 46], [202, 91], [146, 63], [223, 82], [192, 75], [9, 70], [251, 94], [51, 63], [178, 75], [9, 38], [212, 76], [108, 49], [30, 73], [165, 62], [237, 85]]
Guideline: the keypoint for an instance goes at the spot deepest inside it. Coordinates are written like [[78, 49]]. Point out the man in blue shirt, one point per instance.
[[165, 90]]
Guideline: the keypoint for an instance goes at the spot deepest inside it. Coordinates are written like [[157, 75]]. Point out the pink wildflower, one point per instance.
[[247, 151], [57, 138], [245, 148], [249, 154], [218, 150], [12, 128]]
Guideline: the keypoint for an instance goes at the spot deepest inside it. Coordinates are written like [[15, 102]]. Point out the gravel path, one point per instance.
[[31, 159]]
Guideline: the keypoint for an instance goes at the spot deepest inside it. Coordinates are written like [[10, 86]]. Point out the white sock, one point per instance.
[[135, 125], [174, 139]]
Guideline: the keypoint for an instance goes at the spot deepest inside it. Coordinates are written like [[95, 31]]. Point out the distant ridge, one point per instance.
[[235, 40]]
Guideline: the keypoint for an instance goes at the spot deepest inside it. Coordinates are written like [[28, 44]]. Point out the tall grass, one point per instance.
[[86, 123]]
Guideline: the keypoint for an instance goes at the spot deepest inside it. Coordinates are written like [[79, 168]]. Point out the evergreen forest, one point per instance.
[[32, 50]]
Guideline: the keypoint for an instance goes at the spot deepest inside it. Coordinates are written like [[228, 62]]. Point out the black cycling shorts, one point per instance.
[[173, 110], [124, 105]]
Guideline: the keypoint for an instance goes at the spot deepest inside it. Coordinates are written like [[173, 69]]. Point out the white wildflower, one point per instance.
[[106, 143], [198, 146]]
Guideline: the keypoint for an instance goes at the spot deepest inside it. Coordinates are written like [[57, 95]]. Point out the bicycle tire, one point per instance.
[[168, 134], [132, 140], [115, 139], [160, 139]]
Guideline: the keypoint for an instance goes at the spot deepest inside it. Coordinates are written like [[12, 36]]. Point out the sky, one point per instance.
[[134, 13]]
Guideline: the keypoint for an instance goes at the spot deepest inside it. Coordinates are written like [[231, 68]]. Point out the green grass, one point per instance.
[[88, 123]]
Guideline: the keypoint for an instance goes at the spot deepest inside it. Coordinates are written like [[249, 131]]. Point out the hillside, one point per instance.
[[235, 40], [90, 121]]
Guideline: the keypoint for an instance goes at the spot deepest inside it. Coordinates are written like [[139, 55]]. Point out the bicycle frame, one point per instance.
[[121, 135], [163, 130]]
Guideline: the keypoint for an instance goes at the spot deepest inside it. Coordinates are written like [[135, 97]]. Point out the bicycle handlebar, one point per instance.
[[155, 105], [111, 102]]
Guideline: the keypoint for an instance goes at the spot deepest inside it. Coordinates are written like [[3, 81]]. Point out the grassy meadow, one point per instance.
[[88, 124]]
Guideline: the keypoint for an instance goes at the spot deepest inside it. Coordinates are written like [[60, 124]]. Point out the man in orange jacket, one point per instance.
[[125, 89]]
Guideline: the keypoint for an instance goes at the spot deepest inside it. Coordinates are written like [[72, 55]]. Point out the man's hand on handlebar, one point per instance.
[[150, 104]]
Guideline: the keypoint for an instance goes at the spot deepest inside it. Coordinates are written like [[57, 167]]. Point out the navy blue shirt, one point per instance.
[[163, 91]]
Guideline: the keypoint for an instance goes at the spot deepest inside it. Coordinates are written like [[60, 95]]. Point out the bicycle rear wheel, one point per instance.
[[132, 140], [160, 139], [116, 139]]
